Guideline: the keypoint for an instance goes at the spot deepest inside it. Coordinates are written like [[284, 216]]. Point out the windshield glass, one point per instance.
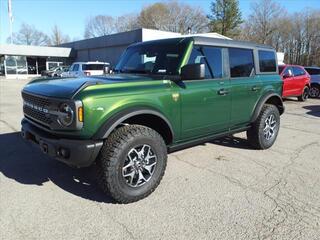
[[160, 58]]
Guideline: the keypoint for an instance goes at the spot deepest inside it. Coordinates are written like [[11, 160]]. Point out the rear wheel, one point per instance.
[[314, 91], [132, 163], [265, 129], [304, 95]]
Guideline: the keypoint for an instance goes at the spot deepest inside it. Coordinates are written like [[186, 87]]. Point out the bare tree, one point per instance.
[[262, 21], [297, 34], [99, 26], [126, 22], [173, 16], [57, 37], [28, 35]]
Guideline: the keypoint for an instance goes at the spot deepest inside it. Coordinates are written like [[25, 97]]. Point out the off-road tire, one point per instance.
[[113, 154], [305, 94], [255, 134]]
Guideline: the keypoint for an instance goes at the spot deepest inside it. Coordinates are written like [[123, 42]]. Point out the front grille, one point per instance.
[[33, 112], [38, 116], [39, 101]]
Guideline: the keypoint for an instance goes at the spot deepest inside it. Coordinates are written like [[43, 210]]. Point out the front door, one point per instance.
[[205, 103], [288, 82]]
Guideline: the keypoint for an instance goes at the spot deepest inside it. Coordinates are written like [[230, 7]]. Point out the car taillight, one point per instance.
[[87, 73]]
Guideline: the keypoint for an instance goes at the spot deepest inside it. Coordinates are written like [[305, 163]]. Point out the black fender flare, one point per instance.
[[262, 101], [114, 121]]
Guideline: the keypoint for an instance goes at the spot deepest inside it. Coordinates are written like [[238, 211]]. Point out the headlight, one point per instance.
[[66, 115]]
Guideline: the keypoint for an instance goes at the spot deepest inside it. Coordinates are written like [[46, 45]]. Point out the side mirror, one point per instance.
[[286, 76], [193, 71]]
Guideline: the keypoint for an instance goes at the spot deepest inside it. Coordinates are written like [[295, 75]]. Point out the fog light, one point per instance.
[[63, 152]]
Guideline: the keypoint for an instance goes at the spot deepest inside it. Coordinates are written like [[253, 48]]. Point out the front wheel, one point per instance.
[[132, 163], [265, 129], [304, 95]]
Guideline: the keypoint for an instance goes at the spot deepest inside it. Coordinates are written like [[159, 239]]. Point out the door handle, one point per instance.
[[254, 88], [223, 92]]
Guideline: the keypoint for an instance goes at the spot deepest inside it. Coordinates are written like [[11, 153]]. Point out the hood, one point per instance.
[[67, 87]]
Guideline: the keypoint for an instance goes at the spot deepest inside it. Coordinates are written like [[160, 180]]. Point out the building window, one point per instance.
[[21, 65], [11, 65], [2, 68]]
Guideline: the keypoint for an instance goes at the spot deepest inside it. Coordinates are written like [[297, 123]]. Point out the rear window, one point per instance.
[[313, 71], [92, 67], [241, 62], [267, 61]]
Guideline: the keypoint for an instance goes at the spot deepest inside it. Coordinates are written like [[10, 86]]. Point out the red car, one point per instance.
[[296, 81]]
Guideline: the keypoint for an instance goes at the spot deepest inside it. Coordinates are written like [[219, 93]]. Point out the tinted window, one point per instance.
[[92, 67], [214, 58], [267, 61], [298, 71], [313, 71], [241, 62], [197, 56]]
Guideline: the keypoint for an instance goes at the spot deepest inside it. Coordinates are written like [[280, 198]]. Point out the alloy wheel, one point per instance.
[[314, 92], [139, 165], [270, 125]]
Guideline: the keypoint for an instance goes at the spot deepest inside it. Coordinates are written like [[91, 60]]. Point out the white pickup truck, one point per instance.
[[80, 69]]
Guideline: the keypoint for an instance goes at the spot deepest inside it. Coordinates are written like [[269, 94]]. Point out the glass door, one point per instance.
[[11, 65]]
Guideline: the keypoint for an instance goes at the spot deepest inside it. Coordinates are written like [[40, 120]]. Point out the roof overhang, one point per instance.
[[39, 51]]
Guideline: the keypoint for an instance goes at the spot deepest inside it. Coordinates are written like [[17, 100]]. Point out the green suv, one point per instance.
[[163, 95]]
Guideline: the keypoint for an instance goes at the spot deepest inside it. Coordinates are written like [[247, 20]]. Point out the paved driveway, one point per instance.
[[219, 190]]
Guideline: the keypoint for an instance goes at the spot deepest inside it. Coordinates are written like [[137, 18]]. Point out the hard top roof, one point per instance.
[[208, 41]]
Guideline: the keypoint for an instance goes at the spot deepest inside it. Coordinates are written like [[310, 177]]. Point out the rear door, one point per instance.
[[300, 79], [206, 102], [245, 85]]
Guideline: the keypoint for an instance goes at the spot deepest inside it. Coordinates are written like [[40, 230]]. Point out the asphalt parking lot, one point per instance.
[[219, 190]]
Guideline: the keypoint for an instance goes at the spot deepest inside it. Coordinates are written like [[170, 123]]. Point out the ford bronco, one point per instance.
[[162, 96]]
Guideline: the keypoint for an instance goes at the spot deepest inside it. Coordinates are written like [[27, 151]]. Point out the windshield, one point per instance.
[[160, 58]]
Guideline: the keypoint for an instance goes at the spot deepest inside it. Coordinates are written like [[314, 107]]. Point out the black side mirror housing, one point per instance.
[[193, 71]]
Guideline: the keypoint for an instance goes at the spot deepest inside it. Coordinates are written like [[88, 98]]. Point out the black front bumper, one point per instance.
[[77, 153]]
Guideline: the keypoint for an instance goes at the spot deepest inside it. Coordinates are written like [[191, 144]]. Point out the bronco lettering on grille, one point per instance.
[[35, 107]]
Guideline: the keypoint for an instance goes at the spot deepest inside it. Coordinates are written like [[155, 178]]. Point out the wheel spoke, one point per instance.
[[140, 178], [149, 167]]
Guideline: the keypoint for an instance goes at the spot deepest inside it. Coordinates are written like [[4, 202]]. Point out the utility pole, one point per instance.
[[10, 19]]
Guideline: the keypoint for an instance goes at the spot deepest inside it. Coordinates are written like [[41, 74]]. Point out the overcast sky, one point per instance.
[[71, 15]]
